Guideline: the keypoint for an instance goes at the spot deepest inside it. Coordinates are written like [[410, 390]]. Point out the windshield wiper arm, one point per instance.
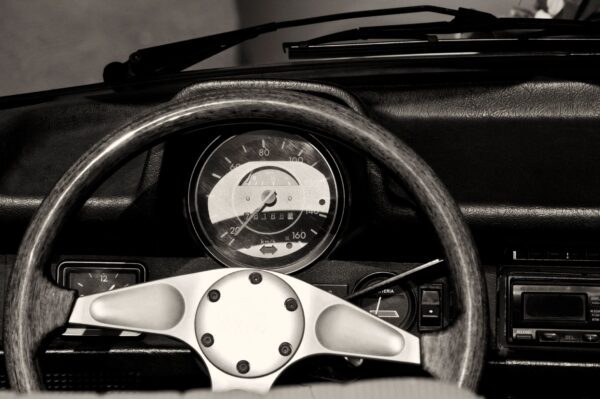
[[177, 56]]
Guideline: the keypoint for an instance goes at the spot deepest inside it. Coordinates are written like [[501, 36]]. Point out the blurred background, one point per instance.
[[48, 44]]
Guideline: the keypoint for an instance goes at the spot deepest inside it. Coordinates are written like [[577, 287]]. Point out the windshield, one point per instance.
[[49, 45]]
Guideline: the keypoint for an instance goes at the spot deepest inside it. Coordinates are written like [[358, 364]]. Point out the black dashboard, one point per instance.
[[517, 151]]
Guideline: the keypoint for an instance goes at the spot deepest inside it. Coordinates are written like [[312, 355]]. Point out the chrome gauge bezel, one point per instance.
[[325, 244]]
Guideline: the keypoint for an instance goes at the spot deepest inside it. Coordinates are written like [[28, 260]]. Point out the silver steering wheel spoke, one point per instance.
[[248, 325], [337, 327], [167, 307]]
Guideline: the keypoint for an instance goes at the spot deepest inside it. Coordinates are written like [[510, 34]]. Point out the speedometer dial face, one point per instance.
[[266, 199]]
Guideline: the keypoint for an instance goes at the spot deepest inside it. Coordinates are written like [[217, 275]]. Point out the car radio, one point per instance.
[[552, 310]]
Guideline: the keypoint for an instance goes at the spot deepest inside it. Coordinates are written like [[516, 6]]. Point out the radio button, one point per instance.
[[591, 337], [547, 336], [594, 314], [570, 337], [524, 337]]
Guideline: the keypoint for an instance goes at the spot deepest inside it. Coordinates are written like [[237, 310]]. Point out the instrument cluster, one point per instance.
[[267, 199]]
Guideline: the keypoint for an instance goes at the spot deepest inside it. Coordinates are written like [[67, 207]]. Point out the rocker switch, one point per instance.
[[430, 308]]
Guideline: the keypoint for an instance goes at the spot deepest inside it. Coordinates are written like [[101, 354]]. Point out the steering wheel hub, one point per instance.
[[250, 323]]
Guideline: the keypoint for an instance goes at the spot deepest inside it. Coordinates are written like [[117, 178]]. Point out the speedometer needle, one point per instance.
[[269, 200]]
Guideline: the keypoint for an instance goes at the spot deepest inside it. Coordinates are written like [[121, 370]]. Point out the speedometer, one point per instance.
[[266, 199]]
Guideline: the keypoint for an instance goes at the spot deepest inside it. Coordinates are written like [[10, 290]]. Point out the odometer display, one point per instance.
[[266, 199]]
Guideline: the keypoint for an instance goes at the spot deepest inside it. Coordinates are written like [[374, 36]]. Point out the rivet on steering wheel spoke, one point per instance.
[[243, 367], [291, 304], [214, 295], [285, 349], [207, 340], [255, 278]]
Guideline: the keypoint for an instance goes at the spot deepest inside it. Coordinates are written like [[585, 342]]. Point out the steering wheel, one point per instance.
[[247, 325]]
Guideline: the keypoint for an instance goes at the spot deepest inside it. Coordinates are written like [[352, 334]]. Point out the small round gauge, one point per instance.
[[394, 304], [94, 277], [266, 199], [96, 281]]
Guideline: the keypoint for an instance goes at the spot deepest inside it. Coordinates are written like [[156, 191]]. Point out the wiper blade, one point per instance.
[[490, 26], [177, 56], [418, 49]]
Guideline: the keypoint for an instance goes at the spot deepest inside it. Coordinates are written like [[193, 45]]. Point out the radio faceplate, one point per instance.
[[546, 310]]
